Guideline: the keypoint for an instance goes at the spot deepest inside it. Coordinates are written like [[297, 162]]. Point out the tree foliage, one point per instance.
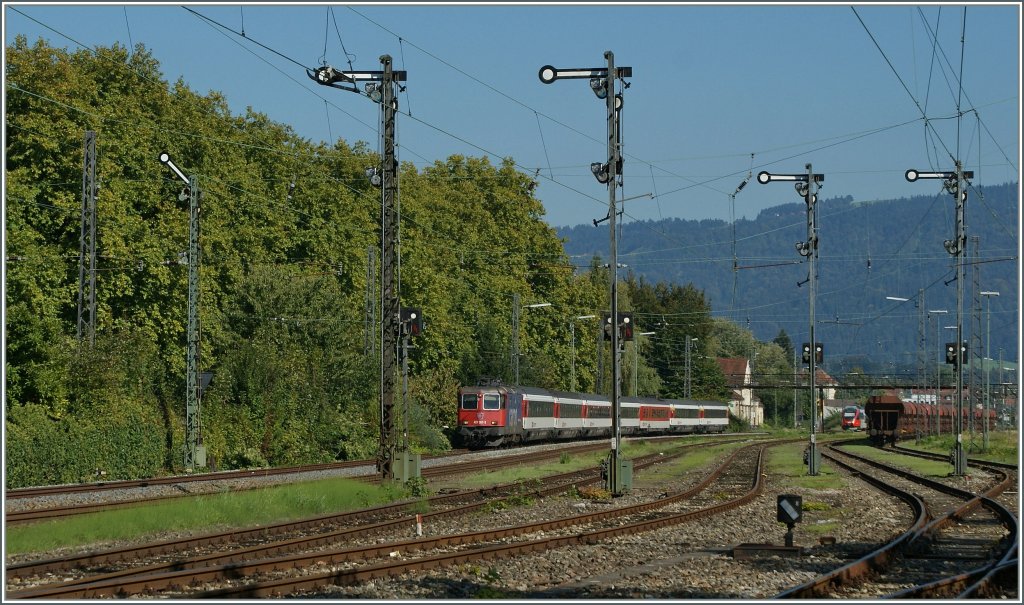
[[288, 228]]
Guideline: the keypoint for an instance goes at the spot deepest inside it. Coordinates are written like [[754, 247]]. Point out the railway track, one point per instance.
[[56, 512], [257, 559], [959, 544], [49, 513]]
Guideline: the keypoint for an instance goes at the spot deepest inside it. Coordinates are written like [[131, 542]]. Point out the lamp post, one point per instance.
[[807, 185], [988, 352], [636, 361], [572, 365], [515, 331], [938, 366], [602, 83]]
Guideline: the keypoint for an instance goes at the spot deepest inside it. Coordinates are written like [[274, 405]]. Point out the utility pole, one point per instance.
[[195, 453], [87, 246], [380, 88], [602, 82], [955, 183], [807, 186]]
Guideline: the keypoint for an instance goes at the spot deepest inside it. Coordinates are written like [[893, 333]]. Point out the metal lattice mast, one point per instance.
[[613, 181], [194, 454], [602, 82], [955, 183], [807, 185], [380, 88], [87, 245], [959, 458], [389, 306], [193, 426]]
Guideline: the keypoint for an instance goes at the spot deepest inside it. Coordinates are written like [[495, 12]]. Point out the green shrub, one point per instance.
[[41, 450]]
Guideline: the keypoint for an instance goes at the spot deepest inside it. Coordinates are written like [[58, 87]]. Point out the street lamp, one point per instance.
[[988, 383], [636, 360], [572, 366], [515, 331]]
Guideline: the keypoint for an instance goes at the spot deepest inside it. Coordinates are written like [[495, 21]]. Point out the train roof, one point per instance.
[[589, 396]]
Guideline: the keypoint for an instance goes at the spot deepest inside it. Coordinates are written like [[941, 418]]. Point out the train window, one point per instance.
[[570, 410], [541, 409], [468, 401], [650, 412], [492, 401], [599, 411], [633, 413]]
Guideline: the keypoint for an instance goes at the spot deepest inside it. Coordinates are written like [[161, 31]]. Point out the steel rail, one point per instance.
[[920, 528], [122, 586], [497, 492], [356, 576]]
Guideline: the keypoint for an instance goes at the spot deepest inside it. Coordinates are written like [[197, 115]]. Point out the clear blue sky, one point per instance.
[[711, 85]]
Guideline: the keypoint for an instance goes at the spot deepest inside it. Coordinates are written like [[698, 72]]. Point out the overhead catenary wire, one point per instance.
[[549, 169]]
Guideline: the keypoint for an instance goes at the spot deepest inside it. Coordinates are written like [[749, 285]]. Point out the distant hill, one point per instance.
[[867, 250]]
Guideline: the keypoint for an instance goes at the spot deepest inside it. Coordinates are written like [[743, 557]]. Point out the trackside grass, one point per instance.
[[201, 514], [921, 466], [1002, 446], [788, 461], [573, 462]]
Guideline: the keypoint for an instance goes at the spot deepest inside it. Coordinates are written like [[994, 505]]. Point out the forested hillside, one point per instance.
[[869, 249]]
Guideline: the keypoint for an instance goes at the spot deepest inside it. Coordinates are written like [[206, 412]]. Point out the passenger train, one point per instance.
[[891, 419], [499, 415]]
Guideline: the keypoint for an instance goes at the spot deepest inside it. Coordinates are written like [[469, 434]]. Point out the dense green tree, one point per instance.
[[287, 227]]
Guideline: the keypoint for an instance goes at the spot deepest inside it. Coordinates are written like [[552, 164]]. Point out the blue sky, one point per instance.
[[711, 85]]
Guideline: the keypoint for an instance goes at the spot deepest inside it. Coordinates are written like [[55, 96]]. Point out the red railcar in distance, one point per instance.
[[854, 418]]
